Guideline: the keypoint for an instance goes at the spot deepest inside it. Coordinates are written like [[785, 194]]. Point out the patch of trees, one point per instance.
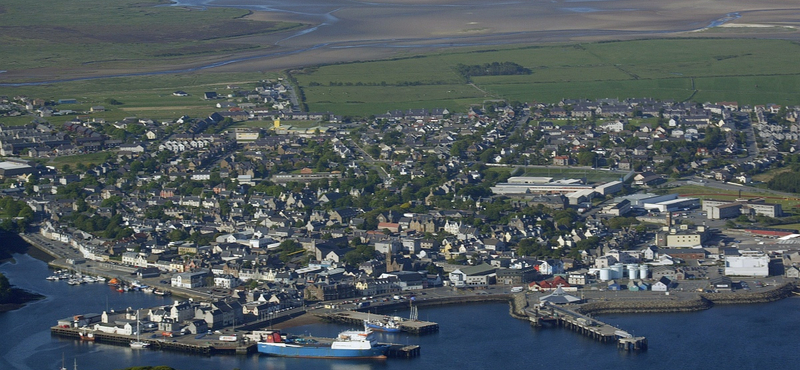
[[786, 181], [361, 253], [18, 215], [617, 223], [110, 228], [492, 69], [288, 249]]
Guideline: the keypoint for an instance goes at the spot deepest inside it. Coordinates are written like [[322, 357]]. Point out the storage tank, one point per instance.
[[644, 272], [633, 272], [605, 274], [617, 271]]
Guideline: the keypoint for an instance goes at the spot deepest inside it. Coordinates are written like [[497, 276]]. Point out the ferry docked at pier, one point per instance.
[[350, 344]]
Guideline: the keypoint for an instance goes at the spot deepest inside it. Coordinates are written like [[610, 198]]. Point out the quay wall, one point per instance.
[[35, 244], [518, 304], [646, 306], [702, 302], [442, 301], [780, 292]]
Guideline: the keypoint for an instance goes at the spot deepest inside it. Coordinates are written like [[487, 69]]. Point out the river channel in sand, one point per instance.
[[342, 30]]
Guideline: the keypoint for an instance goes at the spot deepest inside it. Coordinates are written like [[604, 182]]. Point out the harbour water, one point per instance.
[[477, 336]]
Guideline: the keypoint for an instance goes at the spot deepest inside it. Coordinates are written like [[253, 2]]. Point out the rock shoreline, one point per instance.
[[780, 292], [649, 306], [702, 302]]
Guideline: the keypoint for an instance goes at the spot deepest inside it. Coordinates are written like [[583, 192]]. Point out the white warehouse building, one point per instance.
[[749, 263]]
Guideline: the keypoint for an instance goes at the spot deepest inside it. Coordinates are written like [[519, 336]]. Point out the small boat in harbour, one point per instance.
[[86, 335], [385, 325], [138, 344], [162, 292]]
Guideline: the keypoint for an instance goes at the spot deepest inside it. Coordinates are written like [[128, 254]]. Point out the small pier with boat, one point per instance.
[[358, 318], [235, 343], [550, 314]]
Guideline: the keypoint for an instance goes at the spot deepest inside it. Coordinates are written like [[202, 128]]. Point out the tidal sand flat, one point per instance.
[[390, 28], [277, 35]]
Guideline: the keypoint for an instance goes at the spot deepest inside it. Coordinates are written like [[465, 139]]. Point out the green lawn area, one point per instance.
[[747, 71], [297, 124], [766, 176], [703, 192], [73, 160], [142, 97], [786, 226]]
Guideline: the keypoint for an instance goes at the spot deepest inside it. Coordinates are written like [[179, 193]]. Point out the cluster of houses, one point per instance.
[[243, 222]]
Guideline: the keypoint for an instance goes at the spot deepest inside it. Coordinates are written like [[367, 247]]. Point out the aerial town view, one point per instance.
[[406, 184]]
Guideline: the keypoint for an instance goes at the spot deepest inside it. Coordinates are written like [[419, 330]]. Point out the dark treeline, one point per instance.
[[492, 69], [787, 181]]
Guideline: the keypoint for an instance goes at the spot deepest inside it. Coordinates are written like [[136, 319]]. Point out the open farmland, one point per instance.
[[142, 97], [747, 71]]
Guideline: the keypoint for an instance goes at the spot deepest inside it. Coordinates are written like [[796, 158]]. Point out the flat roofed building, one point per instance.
[[11, 169], [728, 210], [748, 263], [609, 188]]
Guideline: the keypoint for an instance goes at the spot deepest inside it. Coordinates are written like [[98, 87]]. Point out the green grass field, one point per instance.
[[747, 71], [72, 160], [142, 97], [703, 192]]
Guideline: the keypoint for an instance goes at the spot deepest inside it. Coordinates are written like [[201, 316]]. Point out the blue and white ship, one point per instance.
[[351, 344], [386, 325]]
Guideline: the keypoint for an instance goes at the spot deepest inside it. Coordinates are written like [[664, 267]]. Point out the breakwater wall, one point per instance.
[[645, 306], [702, 302], [780, 292], [518, 303], [442, 301]]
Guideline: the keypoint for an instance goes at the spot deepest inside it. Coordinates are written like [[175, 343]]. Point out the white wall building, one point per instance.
[[749, 263]]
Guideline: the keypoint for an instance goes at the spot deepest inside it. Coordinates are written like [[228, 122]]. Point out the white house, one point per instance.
[[662, 285], [189, 279]]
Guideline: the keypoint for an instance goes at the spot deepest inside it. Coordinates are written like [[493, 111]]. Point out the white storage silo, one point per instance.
[[616, 271], [605, 274], [644, 272], [633, 272]]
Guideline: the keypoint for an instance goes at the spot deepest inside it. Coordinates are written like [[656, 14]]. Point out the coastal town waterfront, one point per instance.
[[675, 339]]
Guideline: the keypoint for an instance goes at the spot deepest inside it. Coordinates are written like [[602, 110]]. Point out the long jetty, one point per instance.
[[166, 344], [357, 318], [205, 345], [546, 313]]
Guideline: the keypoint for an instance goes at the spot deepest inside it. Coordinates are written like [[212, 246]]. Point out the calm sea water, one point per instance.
[[479, 336]]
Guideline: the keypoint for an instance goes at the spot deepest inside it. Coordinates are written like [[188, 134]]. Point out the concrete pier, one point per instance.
[[545, 313], [357, 318]]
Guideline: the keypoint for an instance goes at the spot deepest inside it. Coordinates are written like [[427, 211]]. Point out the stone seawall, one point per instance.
[[779, 292], [702, 302], [442, 301], [646, 306], [518, 303]]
